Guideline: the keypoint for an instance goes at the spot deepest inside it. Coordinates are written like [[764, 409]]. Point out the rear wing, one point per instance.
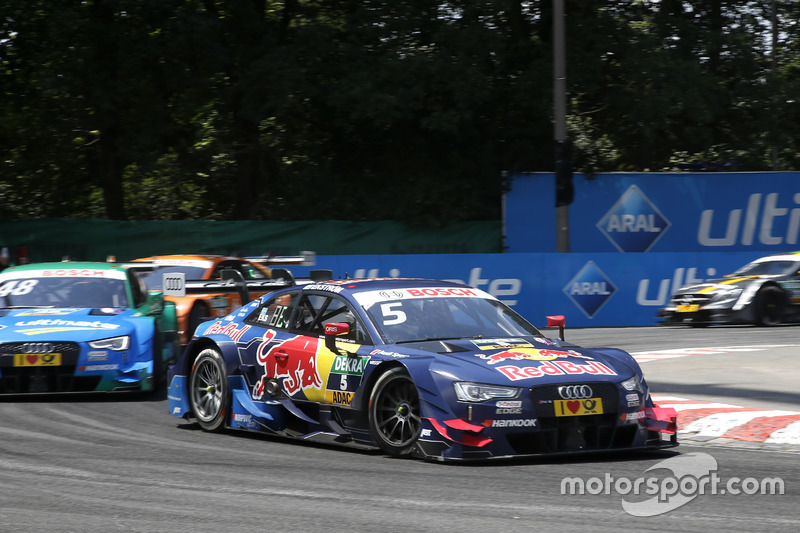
[[304, 259], [232, 281]]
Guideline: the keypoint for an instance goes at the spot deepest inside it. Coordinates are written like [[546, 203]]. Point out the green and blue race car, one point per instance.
[[82, 327]]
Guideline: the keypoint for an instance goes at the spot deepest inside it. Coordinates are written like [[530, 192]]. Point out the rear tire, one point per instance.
[[394, 413], [208, 390], [770, 306]]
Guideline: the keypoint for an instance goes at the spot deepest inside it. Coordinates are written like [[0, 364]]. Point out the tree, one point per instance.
[[409, 110]]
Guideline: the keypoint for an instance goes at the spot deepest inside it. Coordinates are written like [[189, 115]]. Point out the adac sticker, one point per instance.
[[338, 397]]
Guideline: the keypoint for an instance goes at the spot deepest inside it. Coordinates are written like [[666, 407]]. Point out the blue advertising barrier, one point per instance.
[[666, 212], [589, 289]]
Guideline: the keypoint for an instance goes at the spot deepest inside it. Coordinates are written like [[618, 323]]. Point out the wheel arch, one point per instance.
[[395, 433], [785, 303], [372, 378], [193, 350]]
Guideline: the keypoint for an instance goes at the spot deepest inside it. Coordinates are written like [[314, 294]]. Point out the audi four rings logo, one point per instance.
[[37, 347], [391, 294], [575, 392]]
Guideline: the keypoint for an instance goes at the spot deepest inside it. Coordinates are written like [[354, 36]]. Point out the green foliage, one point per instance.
[[409, 110]]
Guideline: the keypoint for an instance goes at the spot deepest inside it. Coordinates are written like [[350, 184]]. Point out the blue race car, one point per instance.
[[82, 327], [427, 368]]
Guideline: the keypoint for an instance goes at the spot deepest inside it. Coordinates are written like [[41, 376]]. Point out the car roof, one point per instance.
[[67, 265], [355, 286], [190, 257], [786, 256]]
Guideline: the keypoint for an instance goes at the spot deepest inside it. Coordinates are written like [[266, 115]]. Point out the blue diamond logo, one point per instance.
[[590, 289], [633, 224]]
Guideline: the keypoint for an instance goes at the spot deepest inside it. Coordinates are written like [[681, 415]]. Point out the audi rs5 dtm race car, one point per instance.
[[196, 307], [82, 327], [426, 368], [765, 292]]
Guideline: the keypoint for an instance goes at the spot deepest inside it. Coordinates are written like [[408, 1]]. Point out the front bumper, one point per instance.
[[71, 372], [628, 420], [705, 315]]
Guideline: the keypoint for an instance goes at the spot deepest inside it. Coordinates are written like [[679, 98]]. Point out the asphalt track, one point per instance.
[[89, 464]]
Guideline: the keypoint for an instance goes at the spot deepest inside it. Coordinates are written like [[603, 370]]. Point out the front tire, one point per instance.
[[770, 306], [208, 390], [394, 413]]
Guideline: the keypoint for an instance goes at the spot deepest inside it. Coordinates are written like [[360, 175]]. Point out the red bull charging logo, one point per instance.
[[522, 354], [294, 360]]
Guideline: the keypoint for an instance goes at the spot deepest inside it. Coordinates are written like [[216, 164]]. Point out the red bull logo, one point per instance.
[[230, 330], [294, 360], [555, 368], [523, 354]]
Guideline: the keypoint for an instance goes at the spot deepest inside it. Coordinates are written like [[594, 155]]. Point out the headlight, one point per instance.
[[114, 343], [633, 384], [467, 391], [725, 294]]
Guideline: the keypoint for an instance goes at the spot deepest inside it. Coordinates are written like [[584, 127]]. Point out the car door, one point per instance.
[[293, 352]]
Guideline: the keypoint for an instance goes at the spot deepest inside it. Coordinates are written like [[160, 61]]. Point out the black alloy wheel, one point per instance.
[[394, 413]]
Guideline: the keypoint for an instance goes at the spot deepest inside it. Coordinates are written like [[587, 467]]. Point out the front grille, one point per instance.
[[41, 379], [690, 299], [543, 396], [561, 434]]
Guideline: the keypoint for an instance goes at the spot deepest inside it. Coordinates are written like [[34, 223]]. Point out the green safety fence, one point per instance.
[[50, 239]]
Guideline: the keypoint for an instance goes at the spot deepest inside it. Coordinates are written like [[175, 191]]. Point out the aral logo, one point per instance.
[[590, 289], [633, 224]]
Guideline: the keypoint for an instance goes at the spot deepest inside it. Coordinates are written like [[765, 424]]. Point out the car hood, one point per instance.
[[71, 324], [722, 284], [527, 362]]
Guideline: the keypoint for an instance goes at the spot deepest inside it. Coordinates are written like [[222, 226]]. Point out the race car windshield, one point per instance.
[[421, 319], [767, 268], [63, 292]]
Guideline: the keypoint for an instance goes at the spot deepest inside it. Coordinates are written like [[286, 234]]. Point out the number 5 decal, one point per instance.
[[392, 316]]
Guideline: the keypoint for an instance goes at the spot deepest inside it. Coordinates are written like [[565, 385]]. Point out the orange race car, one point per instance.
[[193, 309]]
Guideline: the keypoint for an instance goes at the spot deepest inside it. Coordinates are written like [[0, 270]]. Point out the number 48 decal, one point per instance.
[[16, 288]]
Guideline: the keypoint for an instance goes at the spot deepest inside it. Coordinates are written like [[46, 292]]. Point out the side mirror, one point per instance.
[[153, 300], [333, 330], [557, 321]]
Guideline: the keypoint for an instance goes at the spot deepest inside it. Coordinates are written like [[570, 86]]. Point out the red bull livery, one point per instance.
[[424, 368]]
